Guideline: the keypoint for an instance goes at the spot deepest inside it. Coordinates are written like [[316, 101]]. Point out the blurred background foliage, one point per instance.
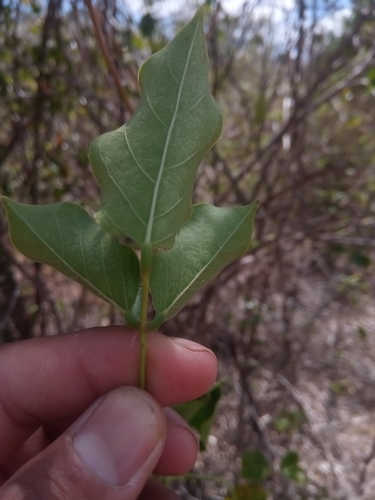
[[295, 80]]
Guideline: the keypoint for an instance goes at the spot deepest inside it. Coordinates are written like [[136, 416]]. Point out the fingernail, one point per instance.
[[120, 435], [190, 345], [175, 421]]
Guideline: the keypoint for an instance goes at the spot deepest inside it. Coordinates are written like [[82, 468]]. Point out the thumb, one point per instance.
[[107, 454]]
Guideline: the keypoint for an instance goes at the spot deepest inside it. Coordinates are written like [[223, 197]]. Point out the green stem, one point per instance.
[[145, 273], [143, 329]]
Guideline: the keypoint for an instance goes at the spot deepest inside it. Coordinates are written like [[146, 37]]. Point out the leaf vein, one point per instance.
[[105, 272], [135, 159], [153, 110], [194, 106], [157, 242], [206, 266], [166, 147], [121, 191], [123, 283], [74, 272], [60, 235], [171, 208], [81, 247], [170, 69], [191, 156]]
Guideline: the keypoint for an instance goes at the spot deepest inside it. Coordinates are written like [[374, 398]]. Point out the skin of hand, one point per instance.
[[73, 425]]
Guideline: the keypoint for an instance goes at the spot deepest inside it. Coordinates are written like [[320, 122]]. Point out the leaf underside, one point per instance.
[[205, 244], [64, 236], [146, 168], [146, 172]]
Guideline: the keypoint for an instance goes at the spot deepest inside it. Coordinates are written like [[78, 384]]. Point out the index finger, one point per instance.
[[57, 378]]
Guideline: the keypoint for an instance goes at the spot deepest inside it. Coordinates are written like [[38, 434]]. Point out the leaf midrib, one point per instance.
[[205, 267], [68, 265], [166, 146]]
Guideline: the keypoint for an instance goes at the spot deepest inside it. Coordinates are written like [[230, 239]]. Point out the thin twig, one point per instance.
[[107, 57], [255, 420], [9, 308], [254, 415], [320, 437]]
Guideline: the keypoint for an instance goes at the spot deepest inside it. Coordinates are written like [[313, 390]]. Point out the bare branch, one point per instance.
[[108, 58]]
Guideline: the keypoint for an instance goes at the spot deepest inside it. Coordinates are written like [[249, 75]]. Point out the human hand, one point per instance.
[[73, 428]]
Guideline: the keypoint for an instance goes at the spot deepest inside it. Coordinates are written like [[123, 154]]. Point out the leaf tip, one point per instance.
[[4, 199], [7, 204], [254, 207]]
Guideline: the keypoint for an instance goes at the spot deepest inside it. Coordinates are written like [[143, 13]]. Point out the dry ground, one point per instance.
[[332, 381]]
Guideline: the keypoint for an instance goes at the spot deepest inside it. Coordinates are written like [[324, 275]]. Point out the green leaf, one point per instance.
[[360, 259], [146, 168], [205, 244], [289, 421], [291, 469], [200, 413], [248, 492], [255, 466], [64, 236], [147, 25]]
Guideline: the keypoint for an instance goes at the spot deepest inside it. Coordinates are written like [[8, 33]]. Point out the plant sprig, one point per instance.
[[146, 171]]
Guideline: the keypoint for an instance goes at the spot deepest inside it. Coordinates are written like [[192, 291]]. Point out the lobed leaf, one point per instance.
[[205, 244], [64, 236], [200, 413], [146, 168]]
